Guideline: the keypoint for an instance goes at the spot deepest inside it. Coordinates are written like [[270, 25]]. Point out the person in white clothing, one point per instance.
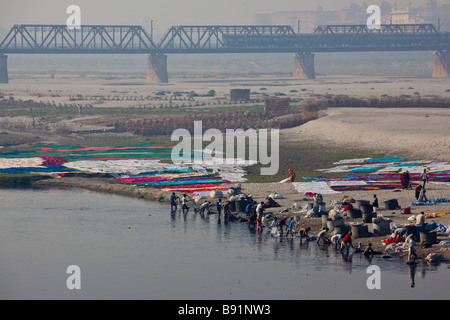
[[260, 209]]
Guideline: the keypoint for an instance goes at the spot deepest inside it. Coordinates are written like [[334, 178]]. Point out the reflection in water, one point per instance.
[[171, 255], [412, 274]]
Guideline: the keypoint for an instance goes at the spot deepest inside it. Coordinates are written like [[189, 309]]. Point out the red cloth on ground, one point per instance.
[[56, 161], [394, 240], [348, 207]]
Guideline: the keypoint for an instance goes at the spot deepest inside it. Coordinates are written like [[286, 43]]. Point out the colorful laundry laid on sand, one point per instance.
[[368, 174], [313, 187], [143, 166]]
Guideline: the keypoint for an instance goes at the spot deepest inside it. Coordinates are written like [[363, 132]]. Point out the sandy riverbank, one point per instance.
[[417, 134]]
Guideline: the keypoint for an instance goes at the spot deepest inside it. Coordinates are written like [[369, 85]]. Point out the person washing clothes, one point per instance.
[[184, 202], [323, 235], [417, 191], [347, 242], [336, 240], [219, 207], [290, 227], [423, 196], [173, 202], [205, 207]]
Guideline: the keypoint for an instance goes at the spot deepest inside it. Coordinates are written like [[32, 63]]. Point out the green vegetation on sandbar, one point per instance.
[[305, 158], [38, 111]]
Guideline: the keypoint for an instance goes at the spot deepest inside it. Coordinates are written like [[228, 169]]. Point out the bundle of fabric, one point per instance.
[[56, 161], [393, 240]]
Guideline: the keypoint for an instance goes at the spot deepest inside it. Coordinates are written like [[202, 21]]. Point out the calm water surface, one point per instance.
[[133, 249]]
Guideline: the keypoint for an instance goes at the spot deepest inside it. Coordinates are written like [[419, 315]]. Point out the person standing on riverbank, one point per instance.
[[260, 208], [249, 209], [424, 178], [375, 203], [258, 224]]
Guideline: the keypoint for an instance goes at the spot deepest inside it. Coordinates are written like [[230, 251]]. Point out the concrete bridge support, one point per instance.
[[304, 66], [3, 69], [157, 68], [441, 66]]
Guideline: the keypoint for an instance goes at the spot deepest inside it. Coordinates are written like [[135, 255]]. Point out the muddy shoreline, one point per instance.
[[107, 185]]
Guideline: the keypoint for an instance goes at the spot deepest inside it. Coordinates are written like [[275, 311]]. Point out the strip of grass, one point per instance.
[[305, 158]]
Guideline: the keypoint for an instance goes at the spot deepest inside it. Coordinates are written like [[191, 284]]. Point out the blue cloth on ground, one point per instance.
[[366, 169], [49, 168], [387, 159], [430, 202]]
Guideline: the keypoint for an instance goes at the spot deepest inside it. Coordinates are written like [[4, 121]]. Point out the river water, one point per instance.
[[134, 249]]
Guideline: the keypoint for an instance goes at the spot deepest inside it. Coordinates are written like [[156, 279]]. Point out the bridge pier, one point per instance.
[[304, 66], [441, 68], [4, 69], [157, 68]]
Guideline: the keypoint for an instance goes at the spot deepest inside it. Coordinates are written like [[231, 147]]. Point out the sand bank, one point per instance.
[[418, 134]]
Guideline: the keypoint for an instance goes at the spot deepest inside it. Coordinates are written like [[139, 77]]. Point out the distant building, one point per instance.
[[240, 94], [306, 21], [439, 15]]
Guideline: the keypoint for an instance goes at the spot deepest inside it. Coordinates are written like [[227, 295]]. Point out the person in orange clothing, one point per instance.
[[258, 224], [292, 175]]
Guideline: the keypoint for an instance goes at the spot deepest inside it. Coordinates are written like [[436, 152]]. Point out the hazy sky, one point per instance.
[[165, 13]]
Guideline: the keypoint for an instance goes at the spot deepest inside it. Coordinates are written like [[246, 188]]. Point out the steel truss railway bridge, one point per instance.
[[124, 39]]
